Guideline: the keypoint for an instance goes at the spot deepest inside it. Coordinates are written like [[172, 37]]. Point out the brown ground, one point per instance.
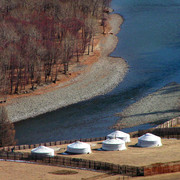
[[24, 171], [133, 155]]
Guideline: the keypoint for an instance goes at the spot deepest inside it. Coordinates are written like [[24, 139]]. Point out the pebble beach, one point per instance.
[[156, 108]]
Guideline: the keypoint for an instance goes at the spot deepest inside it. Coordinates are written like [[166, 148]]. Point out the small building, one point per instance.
[[149, 140], [113, 145], [119, 134], [79, 148], [43, 151]]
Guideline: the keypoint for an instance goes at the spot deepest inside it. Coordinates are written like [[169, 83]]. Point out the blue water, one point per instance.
[[149, 41]]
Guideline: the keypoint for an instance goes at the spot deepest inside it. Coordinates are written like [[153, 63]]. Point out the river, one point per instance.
[[149, 41]]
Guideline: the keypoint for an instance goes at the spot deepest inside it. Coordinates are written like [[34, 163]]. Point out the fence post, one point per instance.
[[7, 155], [89, 164]]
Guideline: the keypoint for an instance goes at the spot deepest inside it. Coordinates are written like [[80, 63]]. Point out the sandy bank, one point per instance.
[[104, 75], [157, 107]]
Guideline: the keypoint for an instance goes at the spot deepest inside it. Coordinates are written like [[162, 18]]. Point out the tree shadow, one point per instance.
[[170, 88]]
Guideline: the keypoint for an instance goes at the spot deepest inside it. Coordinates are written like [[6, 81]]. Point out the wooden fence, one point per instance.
[[171, 123], [162, 132], [75, 162], [132, 171], [169, 129], [20, 147], [162, 168]]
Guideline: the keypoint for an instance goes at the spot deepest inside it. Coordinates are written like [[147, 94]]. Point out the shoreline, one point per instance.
[[155, 108], [103, 76]]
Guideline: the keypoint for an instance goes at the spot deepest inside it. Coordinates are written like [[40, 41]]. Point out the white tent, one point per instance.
[[149, 140], [43, 151], [113, 145], [79, 148], [121, 135]]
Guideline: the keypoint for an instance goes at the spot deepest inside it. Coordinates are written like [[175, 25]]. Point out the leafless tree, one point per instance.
[[7, 132], [37, 36]]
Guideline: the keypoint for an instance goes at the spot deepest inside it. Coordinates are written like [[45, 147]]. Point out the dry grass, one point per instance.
[[134, 156], [23, 171]]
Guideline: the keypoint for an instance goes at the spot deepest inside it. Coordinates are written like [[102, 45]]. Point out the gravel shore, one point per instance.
[[157, 107], [103, 76]]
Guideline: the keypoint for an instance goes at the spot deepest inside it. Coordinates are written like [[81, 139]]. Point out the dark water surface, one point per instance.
[[149, 41]]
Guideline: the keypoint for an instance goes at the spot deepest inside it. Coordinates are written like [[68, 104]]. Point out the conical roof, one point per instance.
[[119, 134], [149, 140], [42, 149], [79, 145], [113, 141], [79, 148], [149, 137], [113, 145]]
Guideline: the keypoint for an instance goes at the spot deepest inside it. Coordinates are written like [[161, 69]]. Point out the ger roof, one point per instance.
[[118, 134], [42, 149], [149, 137], [113, 141], [79, 145]]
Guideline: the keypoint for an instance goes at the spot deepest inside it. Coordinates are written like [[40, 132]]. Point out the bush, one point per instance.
[[64, 172]]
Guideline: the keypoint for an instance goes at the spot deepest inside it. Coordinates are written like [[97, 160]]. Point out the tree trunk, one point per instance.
[[88, 48], [92, 47], [66, 66]]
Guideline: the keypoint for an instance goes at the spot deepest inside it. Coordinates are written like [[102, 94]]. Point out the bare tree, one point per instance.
[[7, 132], [67, 46], [36, 37], [3, 86]]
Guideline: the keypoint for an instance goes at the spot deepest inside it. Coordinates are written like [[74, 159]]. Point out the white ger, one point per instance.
[[119, 134], [79, 148], [113, 145], [149, 140], [43, 151]]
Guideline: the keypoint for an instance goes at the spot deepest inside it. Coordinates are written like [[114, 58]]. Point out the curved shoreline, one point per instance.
[[103, 76], [155, 108]]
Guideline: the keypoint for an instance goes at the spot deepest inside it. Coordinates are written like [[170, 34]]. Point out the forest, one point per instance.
[[38, 39]]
